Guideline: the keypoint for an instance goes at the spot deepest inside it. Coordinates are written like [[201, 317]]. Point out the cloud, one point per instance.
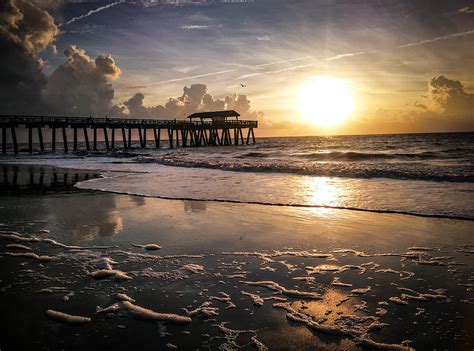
[[420, 106], [81, 85], [106, 65], [78, 86], [195, 98], [137, 109], [25, 31], [451, 97], [447, 107]]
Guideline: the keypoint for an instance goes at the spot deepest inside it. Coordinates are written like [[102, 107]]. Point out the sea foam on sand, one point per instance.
[[67, 318], [135, 311]]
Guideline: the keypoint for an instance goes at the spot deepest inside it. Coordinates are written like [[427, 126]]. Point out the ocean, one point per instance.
[[417, 174]]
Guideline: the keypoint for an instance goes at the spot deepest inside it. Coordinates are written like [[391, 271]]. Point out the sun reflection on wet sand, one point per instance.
[[334, 304]]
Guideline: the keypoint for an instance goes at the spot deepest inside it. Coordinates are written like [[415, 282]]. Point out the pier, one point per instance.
[[199, 129]]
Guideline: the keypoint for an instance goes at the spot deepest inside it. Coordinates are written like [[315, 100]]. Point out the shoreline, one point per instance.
[[343, 193]]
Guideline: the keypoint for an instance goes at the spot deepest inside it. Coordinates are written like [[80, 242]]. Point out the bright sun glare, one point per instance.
[[325, 101]]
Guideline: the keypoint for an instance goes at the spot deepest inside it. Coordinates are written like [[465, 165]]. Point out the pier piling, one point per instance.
[[53, 139], [86, 138], [40, 139], [4, 140], [64, 139]]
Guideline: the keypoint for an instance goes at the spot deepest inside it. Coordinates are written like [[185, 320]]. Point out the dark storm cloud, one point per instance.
[[78, 86], [451, 97], [25, 30]]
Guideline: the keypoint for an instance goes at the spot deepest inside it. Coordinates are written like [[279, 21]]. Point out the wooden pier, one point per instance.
[[201, 129]]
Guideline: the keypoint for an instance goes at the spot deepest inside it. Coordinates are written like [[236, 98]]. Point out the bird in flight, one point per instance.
[[243, 85]]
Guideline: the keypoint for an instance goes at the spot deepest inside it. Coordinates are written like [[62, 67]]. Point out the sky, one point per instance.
[[409, 65]]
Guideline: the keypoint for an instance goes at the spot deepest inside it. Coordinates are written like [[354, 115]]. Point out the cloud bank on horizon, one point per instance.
[[35, 79]]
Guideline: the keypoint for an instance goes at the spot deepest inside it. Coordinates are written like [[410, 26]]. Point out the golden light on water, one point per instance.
[[325, 101], [322, 191]]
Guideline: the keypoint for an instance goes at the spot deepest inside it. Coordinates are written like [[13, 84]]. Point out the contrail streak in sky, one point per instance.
[[228, 71], [279, 62], [444, 37], [351, 54], [275, 71], [333, 58], [193, 77], [416, 43], [91, 12], [358, 53]]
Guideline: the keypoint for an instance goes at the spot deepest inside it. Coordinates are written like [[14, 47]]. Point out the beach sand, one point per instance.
[[226, 275]]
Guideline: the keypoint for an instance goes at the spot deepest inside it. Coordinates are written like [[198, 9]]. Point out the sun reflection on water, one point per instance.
[[323, 191]]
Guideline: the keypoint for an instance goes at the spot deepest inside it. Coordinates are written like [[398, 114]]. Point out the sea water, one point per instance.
[[420, 174]]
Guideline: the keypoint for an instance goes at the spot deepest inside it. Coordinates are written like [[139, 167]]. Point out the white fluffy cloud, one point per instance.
[[81, 85], [195, 98]]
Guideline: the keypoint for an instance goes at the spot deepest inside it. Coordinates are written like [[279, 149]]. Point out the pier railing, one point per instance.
[[180, 132], [46, 121]]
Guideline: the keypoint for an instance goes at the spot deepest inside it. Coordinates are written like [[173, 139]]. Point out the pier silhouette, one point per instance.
[[200, 129]]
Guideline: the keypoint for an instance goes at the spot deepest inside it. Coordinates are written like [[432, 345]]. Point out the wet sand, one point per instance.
[[227, 275]]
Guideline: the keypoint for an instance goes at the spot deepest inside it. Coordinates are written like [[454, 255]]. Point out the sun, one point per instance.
[[325, 101]]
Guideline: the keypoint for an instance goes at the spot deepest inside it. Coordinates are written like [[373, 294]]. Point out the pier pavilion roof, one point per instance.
[[215, 114]]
